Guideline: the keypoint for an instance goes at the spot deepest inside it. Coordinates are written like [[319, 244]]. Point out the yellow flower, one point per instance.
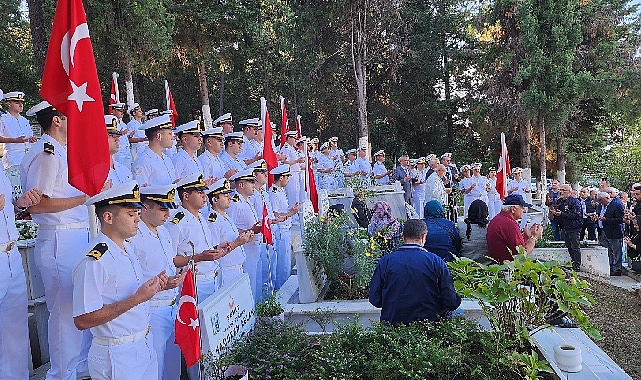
[[373, 246], [367, 254]]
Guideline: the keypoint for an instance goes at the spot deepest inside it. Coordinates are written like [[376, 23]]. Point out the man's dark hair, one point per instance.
[[150, 133], [100, 211], [414, 229], [45, 119]]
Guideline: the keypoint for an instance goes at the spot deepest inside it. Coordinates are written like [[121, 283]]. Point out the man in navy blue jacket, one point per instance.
[[412, 284], [570, 214], [612, 221]]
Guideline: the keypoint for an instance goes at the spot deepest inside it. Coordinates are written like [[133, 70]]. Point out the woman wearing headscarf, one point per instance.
[[474, 243], [382, 221], [442, 239]]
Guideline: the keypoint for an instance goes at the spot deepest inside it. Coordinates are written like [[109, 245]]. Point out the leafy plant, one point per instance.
[[524, 294], [27, 229], [269, 307], [321, 316], [531, 364]]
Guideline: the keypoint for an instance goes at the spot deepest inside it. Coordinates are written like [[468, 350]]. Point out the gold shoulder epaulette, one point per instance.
[[98, 251], [235, 198], [212, 217], [178, 217], [48, 148]]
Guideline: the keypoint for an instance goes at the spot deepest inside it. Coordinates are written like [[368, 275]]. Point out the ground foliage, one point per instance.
[[454, 349]]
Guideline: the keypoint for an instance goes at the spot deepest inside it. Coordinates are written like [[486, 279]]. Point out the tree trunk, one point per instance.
[[526, 151], [359, 59], [203, 90], [561, 158], [38, 35], [449, 123], [544, 185], [221, 93]]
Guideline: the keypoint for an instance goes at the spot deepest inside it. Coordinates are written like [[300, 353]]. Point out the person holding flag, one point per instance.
[[281, 231], [110, 292]]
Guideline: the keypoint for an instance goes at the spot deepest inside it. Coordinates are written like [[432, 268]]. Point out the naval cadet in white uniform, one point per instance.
[[252, 151], [225, 233], [110, 293], [124, 152], [118, 173], [244, 216], [518, 185], [14, 332], [156, 253], [381, 174], [138, 140], [186, 160], [281, 230], [15, 130], [233, 148], [210, 160], [225, 122], [63, 233], [294, 161], [153, 166]]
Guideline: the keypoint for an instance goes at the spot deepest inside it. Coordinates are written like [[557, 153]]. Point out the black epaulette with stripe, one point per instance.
[[98, 251], [274, 189], [178, 217], [49, 148], [235, 198], [212, 217]]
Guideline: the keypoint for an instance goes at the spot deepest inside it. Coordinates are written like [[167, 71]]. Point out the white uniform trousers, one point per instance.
[[283, 242], [57, 252], [293, 189], [467, 201], [163, 331], [14, 332], [418, 200], [268, 263], [128, 361], [253, 266], [228, 274], [494, 206]]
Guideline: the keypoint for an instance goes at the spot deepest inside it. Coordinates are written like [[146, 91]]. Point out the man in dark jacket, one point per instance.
[[570, 214], [612, 221], [589, 209], [403, 174], [412, 284]]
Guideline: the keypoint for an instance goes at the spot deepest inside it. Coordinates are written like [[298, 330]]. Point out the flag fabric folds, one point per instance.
[[170, 105], [269, 153], [70, 84], [266, 227], [187, 324], [114, 97], [298, 127], [283, 122], [503, 169]]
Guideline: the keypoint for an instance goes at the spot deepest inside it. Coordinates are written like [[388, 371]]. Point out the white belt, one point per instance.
[[122, 340], [207, 276], [68, 226], [232, 267], [25, 150], [7, 247], [159, 303]]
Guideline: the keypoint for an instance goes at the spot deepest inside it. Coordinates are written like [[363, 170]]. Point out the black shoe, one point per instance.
[[564, 323], [576, 268], [615, 273]]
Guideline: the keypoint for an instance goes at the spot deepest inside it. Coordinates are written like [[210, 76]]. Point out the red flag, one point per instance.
[[269, 155], [70, 84], [266, 227], [187, 325], [313, 192], [298, 128], [170, 105], [503, 169], [283, 122], [115, 94]]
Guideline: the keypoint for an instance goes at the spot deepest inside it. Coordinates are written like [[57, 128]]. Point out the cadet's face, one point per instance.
[[362, 153], [285, 180], [15, 106], [223, 202], [446, 160], [117, 113], [235, 148], [195, 198], [245, 188], [216, 144], [228, 128], [114, 141], [125, 221], [166, 137], [261, 177], [155, 215], [192, 142]]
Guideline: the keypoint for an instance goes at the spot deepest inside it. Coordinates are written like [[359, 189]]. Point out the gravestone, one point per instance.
[[311, 278], [226, 315]]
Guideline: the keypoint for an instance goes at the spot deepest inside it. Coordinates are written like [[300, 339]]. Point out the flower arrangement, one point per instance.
[[27, 229]]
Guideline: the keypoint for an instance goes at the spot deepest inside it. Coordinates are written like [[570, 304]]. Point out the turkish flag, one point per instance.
[[170, 105], [313, 192], [187, 325], [266, 227], [283, 122], [113, 98], [70, 84], [503, 169], [269, 155], [298, 127]]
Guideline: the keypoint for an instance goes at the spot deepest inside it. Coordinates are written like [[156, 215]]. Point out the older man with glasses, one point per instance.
[[570, 214]]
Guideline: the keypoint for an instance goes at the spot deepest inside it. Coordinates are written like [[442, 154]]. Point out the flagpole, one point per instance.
[[192, 264], [115, 76]]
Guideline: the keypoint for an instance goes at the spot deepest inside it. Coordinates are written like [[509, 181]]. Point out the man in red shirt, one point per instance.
[[504, 233]]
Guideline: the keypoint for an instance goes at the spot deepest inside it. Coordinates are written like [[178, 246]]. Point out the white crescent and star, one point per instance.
[[67, 53], [193, 323]]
